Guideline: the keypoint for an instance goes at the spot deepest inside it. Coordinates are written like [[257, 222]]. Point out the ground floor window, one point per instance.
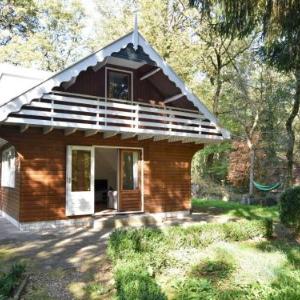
[[8, 167]]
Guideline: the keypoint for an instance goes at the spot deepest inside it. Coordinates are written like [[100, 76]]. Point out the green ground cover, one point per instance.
[[235, 209], [236, 260]]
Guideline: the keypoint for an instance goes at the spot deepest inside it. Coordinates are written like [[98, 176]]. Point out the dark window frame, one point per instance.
[[128, 74]]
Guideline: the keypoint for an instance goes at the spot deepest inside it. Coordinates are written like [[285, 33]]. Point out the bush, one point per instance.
[[134, 282], [128, 243], [192, 289], [289, 208], [245, 230], [206, 234], [9, 281], [124, 242]]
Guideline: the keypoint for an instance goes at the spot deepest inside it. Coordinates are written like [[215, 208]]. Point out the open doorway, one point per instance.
[[106, 180]]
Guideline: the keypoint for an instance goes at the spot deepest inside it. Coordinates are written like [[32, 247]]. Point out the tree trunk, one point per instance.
[[251, 170], [216, 99], [290, 131]]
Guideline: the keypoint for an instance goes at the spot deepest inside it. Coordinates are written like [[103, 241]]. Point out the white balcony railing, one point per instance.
[[65, 110]]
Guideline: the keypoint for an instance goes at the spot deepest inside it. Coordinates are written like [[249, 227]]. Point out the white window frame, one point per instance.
[[120, 71], [8, 167]]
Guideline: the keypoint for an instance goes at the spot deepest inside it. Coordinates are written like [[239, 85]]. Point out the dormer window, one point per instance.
[[118, 84]]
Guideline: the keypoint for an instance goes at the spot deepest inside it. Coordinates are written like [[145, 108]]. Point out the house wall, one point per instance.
[[10, 197], [167, 171], [93, 83]]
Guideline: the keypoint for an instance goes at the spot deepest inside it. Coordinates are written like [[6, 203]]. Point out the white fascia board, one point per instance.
[[168, 71], [73, 71], [67, 74], [19, 71]]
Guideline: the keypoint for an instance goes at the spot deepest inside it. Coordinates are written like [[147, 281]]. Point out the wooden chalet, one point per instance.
[[113, 133]]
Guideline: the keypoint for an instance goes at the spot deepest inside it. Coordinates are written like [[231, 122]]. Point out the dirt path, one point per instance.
[[60, 265]]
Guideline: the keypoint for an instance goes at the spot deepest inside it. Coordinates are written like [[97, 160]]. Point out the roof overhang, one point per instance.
[[70, 73]]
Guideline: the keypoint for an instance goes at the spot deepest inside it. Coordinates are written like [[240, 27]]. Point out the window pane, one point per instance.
[[130, 170], [81, 170], [118, 85], [8, 167]]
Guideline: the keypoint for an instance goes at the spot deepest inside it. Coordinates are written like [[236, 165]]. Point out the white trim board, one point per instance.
[[118, 175], [9, 218], [71, 72]]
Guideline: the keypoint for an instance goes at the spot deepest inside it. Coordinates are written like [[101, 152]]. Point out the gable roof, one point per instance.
[[71, 72], [15, 80]]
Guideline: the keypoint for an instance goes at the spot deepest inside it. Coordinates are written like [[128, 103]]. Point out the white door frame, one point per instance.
[[75, 196], [118, 179]]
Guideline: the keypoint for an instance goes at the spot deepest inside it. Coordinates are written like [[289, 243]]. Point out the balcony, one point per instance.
[[115, 116]]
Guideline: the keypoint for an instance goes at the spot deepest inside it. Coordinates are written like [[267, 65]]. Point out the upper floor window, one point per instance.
[[8, 167], [119, 85]]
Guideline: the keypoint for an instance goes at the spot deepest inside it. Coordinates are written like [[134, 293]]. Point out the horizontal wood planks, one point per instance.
[[167, 167]]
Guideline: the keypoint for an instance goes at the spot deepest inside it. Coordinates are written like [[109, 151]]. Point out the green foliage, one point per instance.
[[127, 242], [17, 18], [216, 269], [218, 170], [9, 281], [207, 234], [289, 207], [53, 24], [95, 289], [194, 289], [132, 242], [235, 209], [134, 282]]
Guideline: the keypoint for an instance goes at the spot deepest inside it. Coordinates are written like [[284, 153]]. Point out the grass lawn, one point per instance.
[[212, 261], [236, 260], [235, 209]]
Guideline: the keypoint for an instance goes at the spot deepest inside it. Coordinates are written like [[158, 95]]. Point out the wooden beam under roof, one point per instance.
[[175, 139], [160, 138], [47, 130], [173, 98], [144, 137], [109, 134], [91, 132], [70, 131], [147, 75], [125, 136], [24, 128]]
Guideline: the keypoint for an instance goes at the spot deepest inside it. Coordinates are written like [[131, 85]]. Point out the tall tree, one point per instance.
[[162, 23], [280, 25], [44, 34], [17, 17], [215, 55]]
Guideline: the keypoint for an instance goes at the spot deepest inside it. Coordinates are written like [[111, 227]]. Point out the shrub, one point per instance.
[[192, 289], [245, 230], [206, 234], [134, 282], [289, 208], [128, 243], [124, 242], [9, 281]]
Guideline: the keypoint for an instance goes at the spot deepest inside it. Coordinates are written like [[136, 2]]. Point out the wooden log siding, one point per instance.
[[10, 197], [167, 177]]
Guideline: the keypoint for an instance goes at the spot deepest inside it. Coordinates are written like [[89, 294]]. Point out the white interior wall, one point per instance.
[[106, 165]]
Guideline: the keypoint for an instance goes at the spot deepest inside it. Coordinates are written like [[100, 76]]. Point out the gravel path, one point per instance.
[[60, 262]]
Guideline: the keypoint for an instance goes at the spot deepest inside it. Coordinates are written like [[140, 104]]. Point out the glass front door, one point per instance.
[[130, 180], [80, 181]]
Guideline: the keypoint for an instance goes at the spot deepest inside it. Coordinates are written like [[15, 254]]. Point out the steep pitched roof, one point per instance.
[[71, 72], [15, 80]]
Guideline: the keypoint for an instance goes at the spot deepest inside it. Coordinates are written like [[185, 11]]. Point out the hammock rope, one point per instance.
[[267, 188]]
